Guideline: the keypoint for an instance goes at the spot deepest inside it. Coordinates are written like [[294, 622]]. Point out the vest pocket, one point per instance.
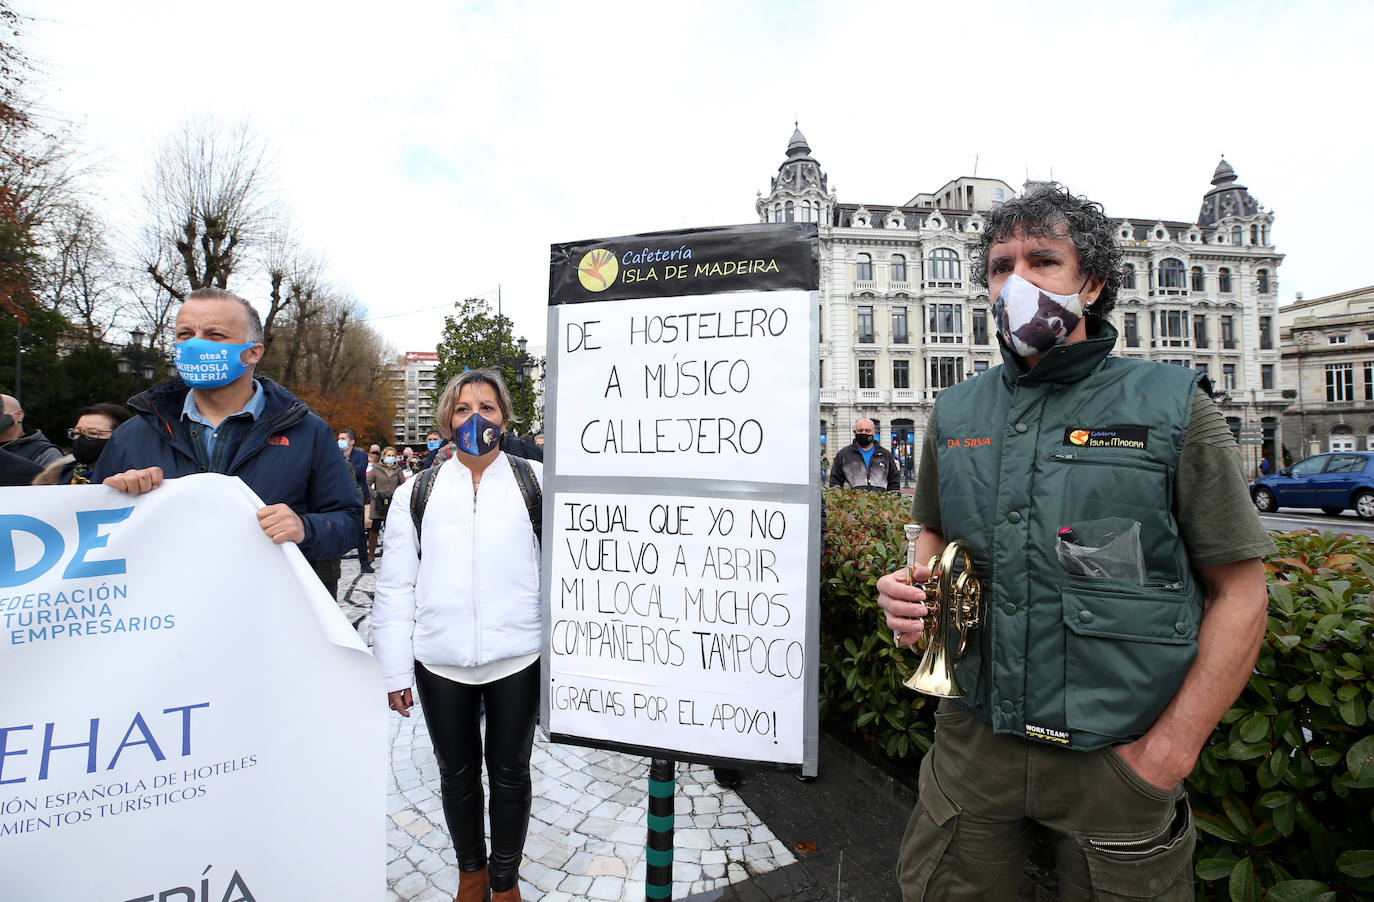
[[1127, 649]]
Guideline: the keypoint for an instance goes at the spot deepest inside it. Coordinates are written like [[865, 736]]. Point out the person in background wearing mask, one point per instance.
[[456, 614], [218, 417], [865, 464], [386, 477], [30, 444], [94, 426], [1090, 692], [434, 440], [358, 462]]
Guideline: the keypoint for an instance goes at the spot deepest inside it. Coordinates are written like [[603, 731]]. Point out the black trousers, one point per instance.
[[453, 713]]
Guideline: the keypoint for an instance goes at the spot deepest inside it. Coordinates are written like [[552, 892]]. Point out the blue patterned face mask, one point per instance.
[[209, 364], [477, 435]]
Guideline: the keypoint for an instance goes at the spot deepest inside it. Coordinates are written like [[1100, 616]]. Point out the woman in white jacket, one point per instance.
[[457, 615]]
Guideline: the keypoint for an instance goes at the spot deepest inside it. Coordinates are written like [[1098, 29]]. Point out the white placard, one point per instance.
[[187, 715], [679, 622], [696, 387]]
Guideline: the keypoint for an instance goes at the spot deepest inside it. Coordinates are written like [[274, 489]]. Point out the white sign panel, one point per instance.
[[188, 717], [697, 387], [681, 622]]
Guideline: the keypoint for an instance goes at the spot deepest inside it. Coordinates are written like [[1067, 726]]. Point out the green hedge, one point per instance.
[[1284, 791]]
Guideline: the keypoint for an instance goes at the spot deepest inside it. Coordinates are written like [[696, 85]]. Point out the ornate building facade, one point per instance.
[[1328, 368], [901, 318]]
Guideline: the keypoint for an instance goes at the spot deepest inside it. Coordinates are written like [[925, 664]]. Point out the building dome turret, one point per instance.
[[1228, 198], [800, 191], [1224, 173]]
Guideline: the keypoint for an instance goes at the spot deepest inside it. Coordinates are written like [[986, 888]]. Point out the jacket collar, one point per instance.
[[166, 401], [1062, 364]]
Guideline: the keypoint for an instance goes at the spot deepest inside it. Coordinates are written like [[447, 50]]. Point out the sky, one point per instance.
[[433, 151]]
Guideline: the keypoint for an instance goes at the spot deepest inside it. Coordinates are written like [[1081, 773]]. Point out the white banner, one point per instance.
[[696, 387], [680, 622], [188, 717]]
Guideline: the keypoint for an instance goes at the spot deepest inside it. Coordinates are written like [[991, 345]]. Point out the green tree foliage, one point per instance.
[[54, 383], [1284, 793], [476, 338]]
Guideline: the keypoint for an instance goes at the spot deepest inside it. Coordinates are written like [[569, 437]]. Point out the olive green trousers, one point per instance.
[[984, 796]]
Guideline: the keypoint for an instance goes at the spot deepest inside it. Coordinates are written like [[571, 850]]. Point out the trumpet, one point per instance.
[[954, 601]]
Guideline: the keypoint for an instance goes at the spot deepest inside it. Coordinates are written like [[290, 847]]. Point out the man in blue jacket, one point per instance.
[[220, 418]]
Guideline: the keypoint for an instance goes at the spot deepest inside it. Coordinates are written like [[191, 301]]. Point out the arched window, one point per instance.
[[1128, 276], [863, 269], [806, 211], [1224, 280], [1237, 236], [942, 266], [898, 268], [1262, 277], [790, 212], [1199, 281], [777, 212], [1254, 234], [1171, 275]]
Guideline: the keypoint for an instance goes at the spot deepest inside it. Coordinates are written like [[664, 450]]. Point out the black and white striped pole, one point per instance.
[[658, 872]]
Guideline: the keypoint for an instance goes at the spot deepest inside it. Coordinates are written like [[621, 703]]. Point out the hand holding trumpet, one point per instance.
[[901, 601]]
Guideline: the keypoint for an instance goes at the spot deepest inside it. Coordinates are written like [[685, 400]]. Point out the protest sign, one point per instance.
[[187, 714], [681, 494]]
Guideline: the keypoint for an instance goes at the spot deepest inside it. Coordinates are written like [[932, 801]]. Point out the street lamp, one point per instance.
[[524, 370], [137, 360]]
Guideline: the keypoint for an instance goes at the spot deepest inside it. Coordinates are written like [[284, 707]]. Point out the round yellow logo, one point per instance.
[[598, 270], [1079, 436]]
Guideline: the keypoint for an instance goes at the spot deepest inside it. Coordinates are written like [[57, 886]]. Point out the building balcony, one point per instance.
[[871, 396]]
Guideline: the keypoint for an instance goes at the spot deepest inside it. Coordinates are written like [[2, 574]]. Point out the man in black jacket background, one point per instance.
[[865, 464]]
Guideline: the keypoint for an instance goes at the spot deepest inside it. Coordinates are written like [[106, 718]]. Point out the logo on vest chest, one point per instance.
[[1107, 437], [979, 441]]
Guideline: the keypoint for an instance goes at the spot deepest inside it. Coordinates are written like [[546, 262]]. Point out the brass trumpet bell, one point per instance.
[[954, 598]]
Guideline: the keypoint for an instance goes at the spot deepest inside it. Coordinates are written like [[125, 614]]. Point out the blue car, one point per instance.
[[1333, 482]]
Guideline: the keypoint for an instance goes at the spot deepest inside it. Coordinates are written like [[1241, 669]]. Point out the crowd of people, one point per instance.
[[1088, 698]]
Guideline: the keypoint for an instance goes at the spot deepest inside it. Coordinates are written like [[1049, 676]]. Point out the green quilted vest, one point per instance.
[[1078, 661]]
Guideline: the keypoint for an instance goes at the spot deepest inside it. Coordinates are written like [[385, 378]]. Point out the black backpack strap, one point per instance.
[[534, 495], [419, 497]]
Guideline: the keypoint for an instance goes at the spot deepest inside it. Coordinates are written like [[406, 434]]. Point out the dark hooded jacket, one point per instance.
[[289, 456], [34, 445]]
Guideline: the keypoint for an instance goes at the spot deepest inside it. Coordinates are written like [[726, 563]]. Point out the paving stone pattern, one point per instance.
[[587, 823]]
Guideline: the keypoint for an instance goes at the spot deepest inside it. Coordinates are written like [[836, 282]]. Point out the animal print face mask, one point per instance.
[[1033, 320]]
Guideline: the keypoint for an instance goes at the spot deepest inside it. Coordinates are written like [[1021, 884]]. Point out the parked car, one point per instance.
[[1333, 482]]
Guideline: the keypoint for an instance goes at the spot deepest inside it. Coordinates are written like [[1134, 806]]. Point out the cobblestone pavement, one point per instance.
[[588, 819]]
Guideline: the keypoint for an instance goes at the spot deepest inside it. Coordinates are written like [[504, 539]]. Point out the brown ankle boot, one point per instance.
[[473, 886], [510, 895]]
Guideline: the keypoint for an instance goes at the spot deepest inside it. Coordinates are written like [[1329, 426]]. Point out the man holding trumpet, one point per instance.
[[1104, 508]]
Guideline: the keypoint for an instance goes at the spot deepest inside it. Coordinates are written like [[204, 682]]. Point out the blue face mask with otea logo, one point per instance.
[[209, 364], [477, 435]]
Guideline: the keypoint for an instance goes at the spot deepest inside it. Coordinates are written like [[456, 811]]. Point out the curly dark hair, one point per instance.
[[1052, 211]]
